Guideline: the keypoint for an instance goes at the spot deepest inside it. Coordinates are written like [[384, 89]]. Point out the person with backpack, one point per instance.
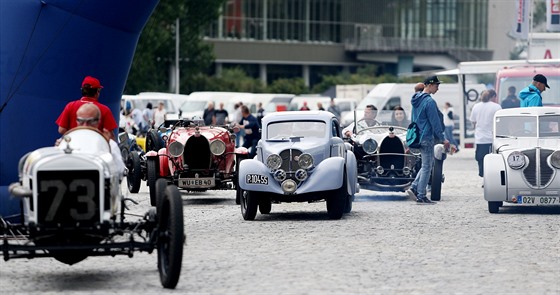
[[426, 115]]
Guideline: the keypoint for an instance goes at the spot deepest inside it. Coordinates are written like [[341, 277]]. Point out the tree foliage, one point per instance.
[[155, 53]]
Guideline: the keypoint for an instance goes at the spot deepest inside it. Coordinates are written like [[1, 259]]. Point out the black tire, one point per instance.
[[337, 200], [238, 190], [171, 237], [265, 205], [152, 176], [348, 207], [134, 176], [160, 186], [437, 179], [249, 204], [152, 141], [494, 207]]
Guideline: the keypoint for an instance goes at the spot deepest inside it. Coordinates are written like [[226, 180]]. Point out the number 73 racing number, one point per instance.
[[78, 193]]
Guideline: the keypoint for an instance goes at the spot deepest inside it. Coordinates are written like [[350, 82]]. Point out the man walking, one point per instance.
[[426, 112], [531, 96]]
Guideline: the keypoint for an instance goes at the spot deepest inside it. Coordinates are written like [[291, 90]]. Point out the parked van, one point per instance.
[[141, 100], [279, 103], [197, 102], [297, 102]]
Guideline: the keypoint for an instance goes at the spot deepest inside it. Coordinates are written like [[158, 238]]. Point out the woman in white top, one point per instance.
[[159, 115]]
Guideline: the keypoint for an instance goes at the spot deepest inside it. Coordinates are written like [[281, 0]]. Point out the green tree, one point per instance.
[[293, 85], [155, 53]]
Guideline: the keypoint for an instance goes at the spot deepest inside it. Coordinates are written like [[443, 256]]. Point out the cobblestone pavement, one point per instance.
[[386, 245]]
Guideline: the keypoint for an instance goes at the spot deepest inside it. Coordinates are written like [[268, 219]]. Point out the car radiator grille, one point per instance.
[[289, 162], [68, 197], [538, 173], [197, 153]]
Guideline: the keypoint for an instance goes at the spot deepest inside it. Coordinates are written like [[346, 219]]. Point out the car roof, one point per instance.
[[298, 115], [530, 111]]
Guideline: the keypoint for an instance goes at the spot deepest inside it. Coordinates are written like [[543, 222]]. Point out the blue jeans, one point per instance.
[[449, 136], [420, 183]]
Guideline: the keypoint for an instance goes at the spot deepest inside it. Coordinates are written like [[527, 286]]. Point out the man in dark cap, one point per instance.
[[530, 96], [426, 114], [91, 88]]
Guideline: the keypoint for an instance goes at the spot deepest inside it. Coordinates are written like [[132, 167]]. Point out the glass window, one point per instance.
[[516, 126], [304, 129]]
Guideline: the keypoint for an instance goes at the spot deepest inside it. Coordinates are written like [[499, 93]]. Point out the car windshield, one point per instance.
[[526, 126], [193, 106], [306, 129]]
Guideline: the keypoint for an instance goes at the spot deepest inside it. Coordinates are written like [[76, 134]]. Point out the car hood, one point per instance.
[[210, 132], [516, 144]]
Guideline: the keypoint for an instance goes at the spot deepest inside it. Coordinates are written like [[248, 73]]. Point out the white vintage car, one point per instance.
[[524, 168], [72, 208], [300, 158]]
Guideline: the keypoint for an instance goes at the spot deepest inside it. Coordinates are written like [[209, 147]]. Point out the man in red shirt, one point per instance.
[[91, 87]]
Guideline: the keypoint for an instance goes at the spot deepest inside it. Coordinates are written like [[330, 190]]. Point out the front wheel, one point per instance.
[[249, 204], [494, 207], [437, 179], [265, 205], [171, 237], [134, 176], [337, 201], [152, 175]]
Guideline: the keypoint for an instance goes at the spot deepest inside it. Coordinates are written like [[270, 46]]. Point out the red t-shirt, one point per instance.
[[67, 118]]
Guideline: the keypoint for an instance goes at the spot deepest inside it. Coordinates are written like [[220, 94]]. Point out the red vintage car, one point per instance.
[[195, 157]]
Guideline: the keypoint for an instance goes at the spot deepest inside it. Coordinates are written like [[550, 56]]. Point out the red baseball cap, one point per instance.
[[91, 82]]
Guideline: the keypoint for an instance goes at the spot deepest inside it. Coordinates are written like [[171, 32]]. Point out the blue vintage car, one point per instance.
[[300, 158]]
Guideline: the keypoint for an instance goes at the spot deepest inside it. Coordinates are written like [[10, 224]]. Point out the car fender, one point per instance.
[[351, 173], [495, 178], [162, 159], [326, 176], [255, 167]]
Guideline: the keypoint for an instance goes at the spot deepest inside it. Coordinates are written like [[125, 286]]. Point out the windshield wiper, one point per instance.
[[506, 136]]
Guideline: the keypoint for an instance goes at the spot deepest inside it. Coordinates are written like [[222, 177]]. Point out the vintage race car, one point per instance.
[[132, 155], [195, 157], [385, 163], [300, 158], [524, 167], [72, 208]]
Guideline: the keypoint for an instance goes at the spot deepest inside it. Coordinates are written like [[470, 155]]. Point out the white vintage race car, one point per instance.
[[524, 168], [300, 158], [72, 208]]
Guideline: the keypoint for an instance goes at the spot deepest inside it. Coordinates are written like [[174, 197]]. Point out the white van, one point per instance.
[[197, 102], [386, 96], [141, 100], [297, 102]]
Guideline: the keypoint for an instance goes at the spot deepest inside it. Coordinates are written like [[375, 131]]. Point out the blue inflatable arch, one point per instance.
[[47, 47]]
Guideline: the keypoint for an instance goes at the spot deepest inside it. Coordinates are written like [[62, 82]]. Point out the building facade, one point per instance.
[[310, 38]]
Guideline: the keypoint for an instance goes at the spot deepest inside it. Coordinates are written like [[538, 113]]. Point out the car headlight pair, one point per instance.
[[217, 147], [274, 161]]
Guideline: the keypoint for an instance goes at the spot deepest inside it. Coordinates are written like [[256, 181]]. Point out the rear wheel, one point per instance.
[[249, 205], [437, 180], [494, 207], [152, 175], [171, 237], [134, 176]]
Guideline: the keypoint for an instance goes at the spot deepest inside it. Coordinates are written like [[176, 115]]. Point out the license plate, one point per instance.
[[256, 179], [535, 200], [197, 182]]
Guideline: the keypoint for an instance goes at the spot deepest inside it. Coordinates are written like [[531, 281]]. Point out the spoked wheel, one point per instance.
[[437, 179], [171, 237], [249, 204], [265, 205], [152, 175], [134, 176], [337, 200]]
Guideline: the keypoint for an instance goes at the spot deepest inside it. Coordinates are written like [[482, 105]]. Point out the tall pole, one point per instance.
[[177, 56]]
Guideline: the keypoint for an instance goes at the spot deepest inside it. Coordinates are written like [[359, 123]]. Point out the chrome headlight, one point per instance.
[[516, 160], [280, 175], [555, 159], [217, 147], [176, 149], [305, 161], [369, 146], [274, 161], [289, 186], [301, 175]]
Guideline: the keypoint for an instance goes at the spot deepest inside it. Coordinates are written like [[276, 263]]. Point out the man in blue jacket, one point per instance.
[[252, 130], [530, 96], [427, 116]]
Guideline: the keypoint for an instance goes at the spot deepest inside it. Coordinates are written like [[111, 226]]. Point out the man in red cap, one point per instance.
[[90, 93]]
